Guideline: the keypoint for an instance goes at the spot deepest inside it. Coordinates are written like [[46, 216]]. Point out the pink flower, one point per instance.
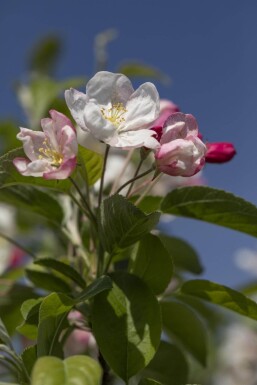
[[51, 154], [181, 152], [167, 108], [219, 152]]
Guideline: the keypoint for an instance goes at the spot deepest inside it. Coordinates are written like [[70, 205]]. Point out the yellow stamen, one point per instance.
[[114, 114], [47, 152]]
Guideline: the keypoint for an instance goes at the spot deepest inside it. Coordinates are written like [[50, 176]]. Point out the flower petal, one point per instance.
[[179, 125], [62, 172], [142, 108], [32, 142], [134, 139], [99, 127], [35, 168], [76, 101], [107, 87], [167, 108]]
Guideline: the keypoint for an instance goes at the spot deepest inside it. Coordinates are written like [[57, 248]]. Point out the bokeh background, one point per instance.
[[207, 48]]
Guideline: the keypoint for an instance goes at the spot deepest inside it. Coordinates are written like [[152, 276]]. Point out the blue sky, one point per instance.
[[209, 49]]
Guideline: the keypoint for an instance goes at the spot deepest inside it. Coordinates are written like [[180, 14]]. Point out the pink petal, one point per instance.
[[62, 172]]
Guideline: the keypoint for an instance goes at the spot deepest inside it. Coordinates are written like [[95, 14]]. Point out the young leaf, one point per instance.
[[92, 162], [127, 324], [222, 296], [183, 255], [122, 224], [30, 313], [67, 270], [168, 366], [148, 203], [47, 281], [214, 206], [152, 263], [29, 357], [79, 370], [135, 69], [148, 381], [45, 54], [33, 200], [52, 316], [96, 287], [181, 321]]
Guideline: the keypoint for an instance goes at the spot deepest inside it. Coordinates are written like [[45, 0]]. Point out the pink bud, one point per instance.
[[219, 152]]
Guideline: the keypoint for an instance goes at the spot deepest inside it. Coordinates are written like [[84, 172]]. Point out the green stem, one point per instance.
[[102, 177], [17, 244], [134, 179], [125, 165], [90, 212], [148, 189], [136, 174]]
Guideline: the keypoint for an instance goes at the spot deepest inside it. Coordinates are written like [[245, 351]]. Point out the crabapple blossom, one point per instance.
[[51, 154], [114, 113], [167, 107], [181, 152], [219, 152]]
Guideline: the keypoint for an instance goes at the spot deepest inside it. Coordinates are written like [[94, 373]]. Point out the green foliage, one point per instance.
[[52, 317], [214, 206], [91, 164], [45, 54], [30, 314], [222, 296], [79, 370], [101, 284], [122, 224], [4, 336], [129, 334], [168, 366], [148, 381], [152, 263], [29, 357], [181, 322], [46, 281], [183, 254], [63, 268]]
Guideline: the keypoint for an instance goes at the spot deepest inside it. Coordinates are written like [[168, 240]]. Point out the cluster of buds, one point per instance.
[[116, 114]]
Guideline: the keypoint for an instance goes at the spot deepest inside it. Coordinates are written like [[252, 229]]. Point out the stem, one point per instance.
[[102, 177], [17, 244], [134, 179], [148, 189], [90, 212], [136, 173], [125, 165]]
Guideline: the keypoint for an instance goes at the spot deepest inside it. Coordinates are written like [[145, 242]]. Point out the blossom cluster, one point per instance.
[[116, 114]]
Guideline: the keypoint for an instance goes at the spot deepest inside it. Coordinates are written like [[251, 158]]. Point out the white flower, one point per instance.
[[114, 113]]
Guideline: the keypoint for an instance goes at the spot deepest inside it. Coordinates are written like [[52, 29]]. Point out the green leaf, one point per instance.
[[181, 321], [52, 316], [37, 96], [214, 206], [4, 336], [91, 163], [101, 284], [183, 255], [148, 203], [152, 263], [222, 296], [136, 69], [30, 313], [8, 132], [9, 176], [168, 366], [46, 281], [127, 324], [45, 54], [148, 381], [63, 268], [122, 224], [79, 370], [29, 357], [33, 200]]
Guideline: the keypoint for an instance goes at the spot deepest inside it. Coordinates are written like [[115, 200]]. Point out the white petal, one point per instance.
[[35, 168], [134, 139], [99, 127], [32, 142], [76, 101], [142, 108], [107, 87]]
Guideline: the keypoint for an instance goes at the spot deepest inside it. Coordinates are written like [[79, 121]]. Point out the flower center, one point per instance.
[[114, 114], [47, 152]]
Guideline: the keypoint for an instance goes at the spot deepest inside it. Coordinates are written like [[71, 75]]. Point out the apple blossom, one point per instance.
[[167, 108], [51, 154], [181, 152], [114, 113], [219, 152]]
